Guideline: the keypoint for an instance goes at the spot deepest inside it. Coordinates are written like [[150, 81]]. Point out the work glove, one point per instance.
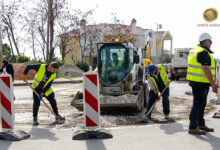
[[40, 96], [24, 78]]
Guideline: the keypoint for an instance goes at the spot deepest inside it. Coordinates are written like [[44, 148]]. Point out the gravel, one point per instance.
[[70, 70]]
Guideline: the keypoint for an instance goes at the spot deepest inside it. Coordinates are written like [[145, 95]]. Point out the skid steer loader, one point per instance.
[[122, 79]]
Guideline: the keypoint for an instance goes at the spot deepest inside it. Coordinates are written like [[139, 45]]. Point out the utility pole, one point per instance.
[[159, 26], [48, 30], [1, 13]]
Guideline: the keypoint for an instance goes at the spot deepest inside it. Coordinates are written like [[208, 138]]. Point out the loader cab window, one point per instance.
[[113, 63]]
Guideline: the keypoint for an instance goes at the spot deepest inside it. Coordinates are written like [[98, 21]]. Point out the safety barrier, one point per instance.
[[91, 110], [91, 99], [6, 102], [7, 117]]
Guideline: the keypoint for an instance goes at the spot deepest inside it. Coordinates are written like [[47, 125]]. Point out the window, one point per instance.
[[113, 60], [183, 54]]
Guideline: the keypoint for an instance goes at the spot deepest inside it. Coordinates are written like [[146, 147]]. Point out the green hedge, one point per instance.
[[83, 65], [22, 59]]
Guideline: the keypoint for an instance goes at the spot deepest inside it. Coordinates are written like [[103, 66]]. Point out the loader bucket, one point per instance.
[[122, 103]]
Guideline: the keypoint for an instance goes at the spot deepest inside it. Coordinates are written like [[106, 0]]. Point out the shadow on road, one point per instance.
[[95, 145], [172, 128], [212, 140], [42, 133], [4, 145]]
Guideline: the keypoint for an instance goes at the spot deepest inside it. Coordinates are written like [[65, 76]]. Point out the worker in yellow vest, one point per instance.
[[201, 75], [116, 70], [116, 64], [42, 84], [157, 81]]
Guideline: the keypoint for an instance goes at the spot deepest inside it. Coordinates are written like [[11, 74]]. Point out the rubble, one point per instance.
[[106, 99], [70, 70], [180, 106]]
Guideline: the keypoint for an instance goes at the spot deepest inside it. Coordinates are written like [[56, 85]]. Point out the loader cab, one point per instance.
[[115, 61]]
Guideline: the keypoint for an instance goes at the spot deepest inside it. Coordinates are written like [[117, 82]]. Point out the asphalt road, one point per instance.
[[149, 137], [142, 137]]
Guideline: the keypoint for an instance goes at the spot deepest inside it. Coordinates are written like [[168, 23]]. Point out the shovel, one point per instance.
[[142, 114], [57, 121]]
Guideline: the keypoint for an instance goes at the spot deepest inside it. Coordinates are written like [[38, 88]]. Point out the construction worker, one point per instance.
[[8, 66], [116, 68], [42, 85], [115, 63], [157, 81], [201, 74]]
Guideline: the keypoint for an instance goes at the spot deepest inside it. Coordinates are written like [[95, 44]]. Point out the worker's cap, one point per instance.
[[204, 36], [150, 68]]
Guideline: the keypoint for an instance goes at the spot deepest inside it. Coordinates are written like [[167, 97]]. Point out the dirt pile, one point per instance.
[[70, 70], [19, 69]]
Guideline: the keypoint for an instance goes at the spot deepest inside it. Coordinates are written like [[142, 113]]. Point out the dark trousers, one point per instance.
[[166, 102], [36, 105], [196, 116]]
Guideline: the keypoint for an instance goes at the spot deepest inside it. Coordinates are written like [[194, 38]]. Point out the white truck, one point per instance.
[[180, 63]]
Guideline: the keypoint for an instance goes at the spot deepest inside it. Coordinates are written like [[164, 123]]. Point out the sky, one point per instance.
[[180, 17]]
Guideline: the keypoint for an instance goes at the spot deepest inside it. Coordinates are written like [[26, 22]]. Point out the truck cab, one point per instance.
[[180, 63]]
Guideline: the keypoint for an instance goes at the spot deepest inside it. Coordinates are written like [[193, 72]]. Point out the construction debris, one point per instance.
[[70, 70]]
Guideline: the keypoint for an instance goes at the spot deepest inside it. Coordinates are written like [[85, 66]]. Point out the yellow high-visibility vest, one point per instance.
[[116, 67], [119, 64], [39, 76], [163, 76], [194, 70]]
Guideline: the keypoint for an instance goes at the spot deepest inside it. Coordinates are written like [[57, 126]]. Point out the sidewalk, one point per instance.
[[56, 81], [143, 137]]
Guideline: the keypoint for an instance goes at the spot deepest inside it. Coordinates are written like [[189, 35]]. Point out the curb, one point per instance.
[[55, 82]]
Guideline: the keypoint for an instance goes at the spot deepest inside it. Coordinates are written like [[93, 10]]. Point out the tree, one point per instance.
[[6, 50], [117, 28], [66, 22], [73, 25], [47, 21], [93, 37], [10, 19], [31, 28]]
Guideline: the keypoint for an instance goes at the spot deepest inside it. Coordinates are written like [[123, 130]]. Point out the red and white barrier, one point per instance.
[[91, 99], [6, 102]]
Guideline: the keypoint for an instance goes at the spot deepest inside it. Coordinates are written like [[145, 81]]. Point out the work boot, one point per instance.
[[167, 117], [205, 128], [148, 118], [35, 122], [196, 131], [58, 117]]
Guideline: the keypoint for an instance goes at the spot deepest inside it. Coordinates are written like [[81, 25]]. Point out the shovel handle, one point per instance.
[[42, 99], [152, 107]]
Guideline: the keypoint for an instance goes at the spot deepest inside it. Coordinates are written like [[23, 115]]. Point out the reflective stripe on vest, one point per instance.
[[39, 76], [194, 70], [163, 76]]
